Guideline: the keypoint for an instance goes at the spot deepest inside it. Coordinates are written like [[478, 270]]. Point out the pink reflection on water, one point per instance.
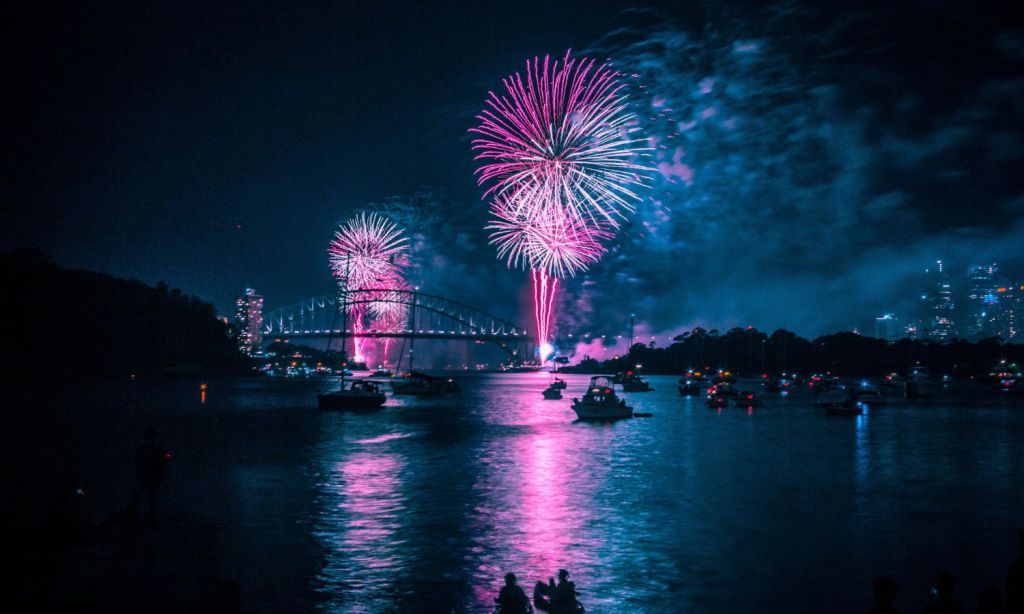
[[549, 522], [360, 518]]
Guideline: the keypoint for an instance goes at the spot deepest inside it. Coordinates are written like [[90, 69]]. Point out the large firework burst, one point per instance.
[[562, 136], [559, 154]]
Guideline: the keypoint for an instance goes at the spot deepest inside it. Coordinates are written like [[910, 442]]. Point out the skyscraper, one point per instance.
[[982, 299], [937, 301], [249, 315], [1006, 317]]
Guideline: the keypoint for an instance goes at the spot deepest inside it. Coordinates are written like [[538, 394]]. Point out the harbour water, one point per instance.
[[424, 506]]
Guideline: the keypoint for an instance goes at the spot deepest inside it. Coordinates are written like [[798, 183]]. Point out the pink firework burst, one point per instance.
[[544, 239], [560, 153], [365, 254], [563, 135], [365, 250]]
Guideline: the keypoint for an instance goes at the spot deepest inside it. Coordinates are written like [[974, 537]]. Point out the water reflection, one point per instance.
[[536, 485], [361, 513]]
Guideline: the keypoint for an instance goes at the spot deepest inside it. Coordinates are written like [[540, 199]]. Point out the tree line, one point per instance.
[[748, 351], [63, 321]]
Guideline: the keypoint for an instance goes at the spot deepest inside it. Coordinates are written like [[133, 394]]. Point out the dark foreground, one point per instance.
[[425, 505]]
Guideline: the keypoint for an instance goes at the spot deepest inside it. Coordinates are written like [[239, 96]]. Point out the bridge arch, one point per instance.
[[429, 316]]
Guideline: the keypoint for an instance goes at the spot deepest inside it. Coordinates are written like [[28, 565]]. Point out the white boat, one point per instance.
[[600, 402]]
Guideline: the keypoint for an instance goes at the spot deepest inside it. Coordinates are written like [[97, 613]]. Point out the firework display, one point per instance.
[[366, 255], [560, 155]]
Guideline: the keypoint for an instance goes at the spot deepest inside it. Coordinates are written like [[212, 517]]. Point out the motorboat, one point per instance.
[[776, 384], [635, 383], [600, 401], [416, 383], [919, 383], [558, 384], [689, 388], [716, 401], [747, 398], [832, 396], [361, 395], [719, 395], [552, 394], [845, 408], [871, 397], [382, 373]]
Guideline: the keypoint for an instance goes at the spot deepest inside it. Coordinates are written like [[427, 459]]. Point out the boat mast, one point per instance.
[[412, 329], [344, 321]]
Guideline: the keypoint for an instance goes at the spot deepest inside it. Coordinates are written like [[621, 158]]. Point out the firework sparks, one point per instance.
[[365, 255], [563, 136], [558, 152]]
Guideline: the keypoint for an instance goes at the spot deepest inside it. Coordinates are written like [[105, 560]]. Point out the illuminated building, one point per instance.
[[1005, 318], [982, 299], [937, 300], [249, 316]]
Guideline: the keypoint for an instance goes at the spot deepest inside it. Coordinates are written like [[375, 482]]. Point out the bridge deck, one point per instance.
[[424, 334]]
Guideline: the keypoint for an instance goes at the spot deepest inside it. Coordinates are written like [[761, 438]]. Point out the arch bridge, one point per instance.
[[427, 316]]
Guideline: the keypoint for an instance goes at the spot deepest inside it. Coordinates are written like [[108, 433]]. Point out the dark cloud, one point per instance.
[[813, 162]]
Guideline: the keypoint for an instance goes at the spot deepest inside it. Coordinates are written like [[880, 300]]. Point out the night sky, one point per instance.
[[813, 161]]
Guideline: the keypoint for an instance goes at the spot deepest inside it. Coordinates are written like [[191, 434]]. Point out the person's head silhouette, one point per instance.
[[510, 579], [885, 590], [944, 584]]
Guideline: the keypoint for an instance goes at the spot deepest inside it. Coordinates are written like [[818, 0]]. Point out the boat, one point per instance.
[[526, 367], [747, 398], [776, 384], [919, 383], [871, 397], [832, 396], [558, 384], [382, 373], [719, 395], [417, 383], [361, 395], [552, 394], [846, 408], [689, 388], [716, 401], [600, 401], [635, 383]]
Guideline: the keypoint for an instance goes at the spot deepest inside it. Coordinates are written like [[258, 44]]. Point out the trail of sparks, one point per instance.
[[544, 287], [559, 152]]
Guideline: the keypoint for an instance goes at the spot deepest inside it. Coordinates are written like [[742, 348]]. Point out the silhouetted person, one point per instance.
[[1015, 582], [563, 597], [944, 602], [512, 599], [150, 471], [885, 594], [990, 601]]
